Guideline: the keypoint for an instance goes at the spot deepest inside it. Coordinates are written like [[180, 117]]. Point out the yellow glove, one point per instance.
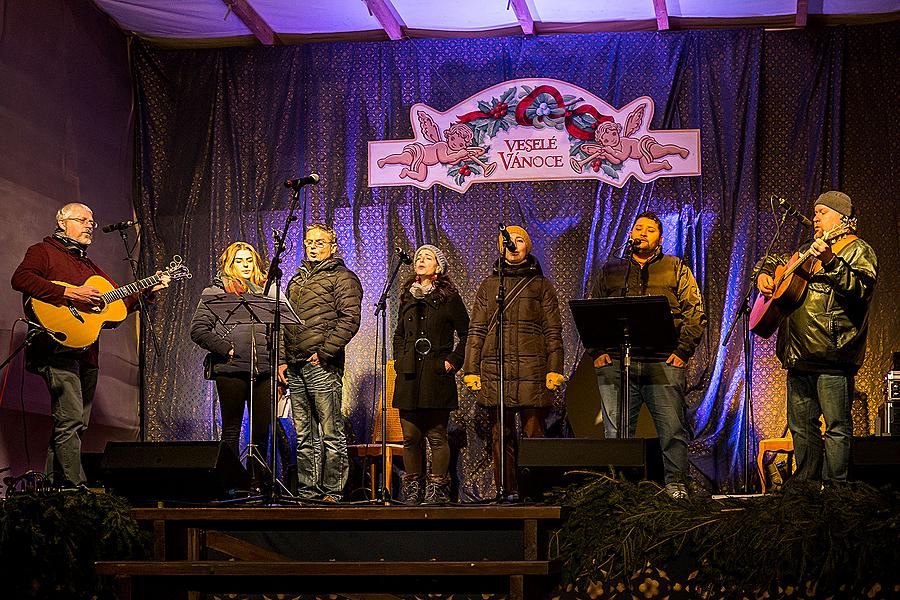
[[473, 382], [554, 380]]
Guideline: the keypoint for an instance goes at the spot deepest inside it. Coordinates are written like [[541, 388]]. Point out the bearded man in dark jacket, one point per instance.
[[658, 381], [823, 342], [327, 297]]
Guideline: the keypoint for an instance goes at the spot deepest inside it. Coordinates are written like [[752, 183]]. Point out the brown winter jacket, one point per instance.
[[532, 337]]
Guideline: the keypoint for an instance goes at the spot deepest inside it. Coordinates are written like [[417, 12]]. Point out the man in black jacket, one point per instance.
[[659, 382], [327, 297], [823, 342]]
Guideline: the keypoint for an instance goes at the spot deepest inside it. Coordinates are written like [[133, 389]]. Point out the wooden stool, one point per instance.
[[782, 444], [394, 434]]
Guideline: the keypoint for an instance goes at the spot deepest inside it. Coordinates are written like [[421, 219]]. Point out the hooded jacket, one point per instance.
[[208, 332], [532, 337]]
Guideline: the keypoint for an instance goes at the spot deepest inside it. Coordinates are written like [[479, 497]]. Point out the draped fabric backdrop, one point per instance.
[[788, 113]]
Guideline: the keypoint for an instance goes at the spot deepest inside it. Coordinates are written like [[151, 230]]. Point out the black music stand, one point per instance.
[[638, 327], [253, 309]]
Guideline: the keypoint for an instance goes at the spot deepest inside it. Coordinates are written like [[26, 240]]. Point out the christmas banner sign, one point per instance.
[[533, 130]]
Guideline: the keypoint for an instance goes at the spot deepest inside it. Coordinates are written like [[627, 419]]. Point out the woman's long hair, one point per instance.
[[233, 278], [443, 287]]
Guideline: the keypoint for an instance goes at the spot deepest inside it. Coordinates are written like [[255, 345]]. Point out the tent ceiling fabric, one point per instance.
[[353, 19]]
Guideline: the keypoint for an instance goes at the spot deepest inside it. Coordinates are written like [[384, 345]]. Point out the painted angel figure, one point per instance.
[[455, 146], [616, 148]]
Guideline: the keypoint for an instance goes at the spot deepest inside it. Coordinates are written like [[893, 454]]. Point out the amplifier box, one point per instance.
[[888, 422]]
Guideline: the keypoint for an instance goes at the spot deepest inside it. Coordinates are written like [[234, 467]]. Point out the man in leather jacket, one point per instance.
[[659, 381], [823, 342]]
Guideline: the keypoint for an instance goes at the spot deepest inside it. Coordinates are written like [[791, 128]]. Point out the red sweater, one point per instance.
[[45, 262]]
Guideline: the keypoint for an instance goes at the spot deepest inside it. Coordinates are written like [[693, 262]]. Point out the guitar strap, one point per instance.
[[836, 248]]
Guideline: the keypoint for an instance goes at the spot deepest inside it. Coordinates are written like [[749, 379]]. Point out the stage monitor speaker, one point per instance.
[[148, 472], [875, 460], [543, 462]]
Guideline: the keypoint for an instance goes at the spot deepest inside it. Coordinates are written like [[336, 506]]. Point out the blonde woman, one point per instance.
[[229, 360]]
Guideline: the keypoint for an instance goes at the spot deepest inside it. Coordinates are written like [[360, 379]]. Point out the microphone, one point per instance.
[[119, 226], [789, 209], [59, 335], [507, 241], [403, 256], [628, 248], [296, 184]]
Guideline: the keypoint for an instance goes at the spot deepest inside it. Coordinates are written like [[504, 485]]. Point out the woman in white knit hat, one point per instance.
[[426, 359]]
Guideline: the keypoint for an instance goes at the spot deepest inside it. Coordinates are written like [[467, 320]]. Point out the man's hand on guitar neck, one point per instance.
[[87, 295], [164, 280]]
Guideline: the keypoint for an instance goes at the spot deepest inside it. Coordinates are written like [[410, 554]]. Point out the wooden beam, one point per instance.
[[381, 10], [662, 14], [802, 13], [526, 22], [254, 22]]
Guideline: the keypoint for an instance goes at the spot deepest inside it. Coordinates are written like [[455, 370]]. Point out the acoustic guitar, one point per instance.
[[790, 283], [76, 328]]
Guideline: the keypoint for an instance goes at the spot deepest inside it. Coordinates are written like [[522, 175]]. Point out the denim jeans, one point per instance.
[[809, 396], [322, 463], [71, 385], [661, 386]]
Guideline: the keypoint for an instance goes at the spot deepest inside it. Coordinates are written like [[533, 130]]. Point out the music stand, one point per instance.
[[253, 309], [638, 327]]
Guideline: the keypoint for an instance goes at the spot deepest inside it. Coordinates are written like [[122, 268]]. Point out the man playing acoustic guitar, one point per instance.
[[823, 341], [70, 373]]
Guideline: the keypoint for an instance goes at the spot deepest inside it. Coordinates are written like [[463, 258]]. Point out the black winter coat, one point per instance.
[[532, 337], [209, 333], [327, 296], [827, 334], [422, 379]]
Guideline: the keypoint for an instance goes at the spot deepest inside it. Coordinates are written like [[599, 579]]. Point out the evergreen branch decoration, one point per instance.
[[622, 538], [49, 542]]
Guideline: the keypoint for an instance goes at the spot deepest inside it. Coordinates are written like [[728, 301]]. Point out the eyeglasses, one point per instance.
[[83, 221], [315, 243]]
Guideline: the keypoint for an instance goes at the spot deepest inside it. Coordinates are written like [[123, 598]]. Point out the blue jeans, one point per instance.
[[809, 396], [661, 386], [322, 463], [71, 385]]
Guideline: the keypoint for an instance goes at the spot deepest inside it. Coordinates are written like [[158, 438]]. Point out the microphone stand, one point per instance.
[[623, 423], [142, 351], [743, 315], [274, 276], [34, 329], [384, 495], [501, 371]]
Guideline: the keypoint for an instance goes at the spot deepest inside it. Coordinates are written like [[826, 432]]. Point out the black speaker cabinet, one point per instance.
[[147, 472], [542, 462], [876, 460]]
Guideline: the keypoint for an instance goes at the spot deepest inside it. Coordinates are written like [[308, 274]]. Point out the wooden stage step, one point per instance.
[[501, 549]]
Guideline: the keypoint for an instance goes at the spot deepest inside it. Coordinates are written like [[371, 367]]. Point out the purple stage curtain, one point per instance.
[[218, 131]]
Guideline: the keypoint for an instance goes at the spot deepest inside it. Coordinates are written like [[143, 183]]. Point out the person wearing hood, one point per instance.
[[327, 297], [533, 350], [426, 359], [230, 361], [70, 373]]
